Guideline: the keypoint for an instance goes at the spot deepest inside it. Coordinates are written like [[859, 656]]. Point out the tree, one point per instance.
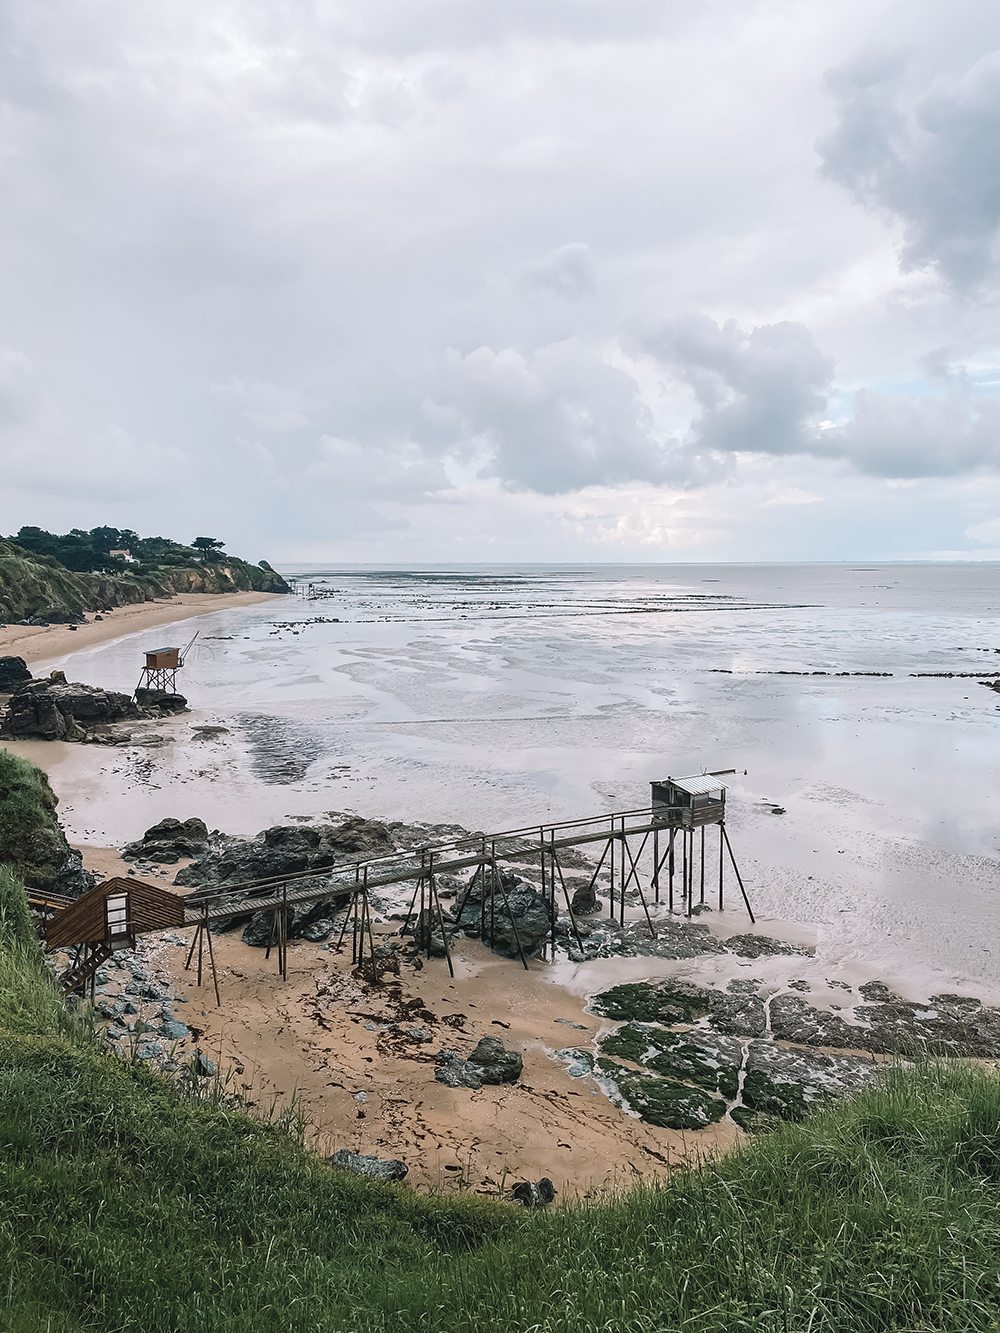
[[207, 547]]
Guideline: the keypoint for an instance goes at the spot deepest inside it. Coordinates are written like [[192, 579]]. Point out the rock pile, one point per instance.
[[376, 1168]]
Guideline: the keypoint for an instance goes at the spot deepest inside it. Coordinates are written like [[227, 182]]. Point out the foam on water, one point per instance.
[[498, 696]]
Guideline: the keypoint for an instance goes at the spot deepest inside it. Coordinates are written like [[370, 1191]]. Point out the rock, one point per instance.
[[71, 879], [674, 939], [373, 1167], [169, 840], [39, 708], [162, 700], [534, 1193], [174, 1031], [660, 1101], [494, 1063], [512, 915], [286, 850], [761, 946], [454, 1072], [203, 1066], [740, 1013], [585, 901], [666, 1002], [787, 1083], [13, 673]]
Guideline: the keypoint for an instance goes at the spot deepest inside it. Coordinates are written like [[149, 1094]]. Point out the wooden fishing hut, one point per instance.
[[160, 671], [106, 918], [686, 807]]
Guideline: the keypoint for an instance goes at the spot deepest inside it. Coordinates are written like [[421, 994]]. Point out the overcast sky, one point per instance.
[[533, 280]]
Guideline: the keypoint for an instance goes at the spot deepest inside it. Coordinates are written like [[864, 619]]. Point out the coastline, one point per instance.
[[39, 643]]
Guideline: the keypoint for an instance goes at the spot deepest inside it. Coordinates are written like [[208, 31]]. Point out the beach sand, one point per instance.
[[374, 1092], [38, 643]]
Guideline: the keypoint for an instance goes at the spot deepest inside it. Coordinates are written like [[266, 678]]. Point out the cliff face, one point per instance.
[[38, 585]]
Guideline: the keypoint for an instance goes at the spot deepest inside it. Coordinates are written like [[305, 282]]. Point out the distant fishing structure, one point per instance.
[[159, 675], [651, 856]]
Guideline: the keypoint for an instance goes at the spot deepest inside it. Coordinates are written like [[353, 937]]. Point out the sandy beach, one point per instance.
[[40, 643]]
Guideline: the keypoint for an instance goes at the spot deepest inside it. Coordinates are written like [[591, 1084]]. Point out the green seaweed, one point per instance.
[[776, 1098], [663, 1102], [666, 1002]]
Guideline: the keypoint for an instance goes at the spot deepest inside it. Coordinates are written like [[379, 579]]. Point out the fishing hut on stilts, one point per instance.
[[684, 808]]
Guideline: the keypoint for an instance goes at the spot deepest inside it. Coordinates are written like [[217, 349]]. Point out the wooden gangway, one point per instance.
[[658, 844]]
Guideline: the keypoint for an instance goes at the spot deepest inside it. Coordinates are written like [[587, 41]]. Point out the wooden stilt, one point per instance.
[[211, 956], [702, 863], [739, 877]]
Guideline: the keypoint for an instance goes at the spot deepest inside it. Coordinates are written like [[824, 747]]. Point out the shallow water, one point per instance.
[[496, 696]]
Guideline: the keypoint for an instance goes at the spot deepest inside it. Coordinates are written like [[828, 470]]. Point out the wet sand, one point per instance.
[[38, 643], [374, 1092]]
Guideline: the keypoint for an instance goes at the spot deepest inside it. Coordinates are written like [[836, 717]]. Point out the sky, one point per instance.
[[546, 280]]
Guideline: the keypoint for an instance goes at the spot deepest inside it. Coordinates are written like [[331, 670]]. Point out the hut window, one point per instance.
[[116, 912]]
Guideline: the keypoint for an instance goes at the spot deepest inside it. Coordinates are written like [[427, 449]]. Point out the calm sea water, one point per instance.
[[493, 696]]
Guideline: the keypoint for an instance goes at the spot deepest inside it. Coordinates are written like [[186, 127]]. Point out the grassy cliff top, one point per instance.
[[126, 1204]]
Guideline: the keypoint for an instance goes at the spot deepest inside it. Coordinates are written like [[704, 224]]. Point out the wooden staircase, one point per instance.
[[95, 955]]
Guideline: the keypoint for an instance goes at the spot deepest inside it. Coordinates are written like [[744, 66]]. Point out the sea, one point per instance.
[[849, 700]]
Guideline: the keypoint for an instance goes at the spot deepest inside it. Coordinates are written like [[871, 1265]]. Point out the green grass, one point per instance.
[[125, 1205]]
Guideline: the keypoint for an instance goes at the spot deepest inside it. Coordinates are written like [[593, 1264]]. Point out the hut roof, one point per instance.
[[699, 785]]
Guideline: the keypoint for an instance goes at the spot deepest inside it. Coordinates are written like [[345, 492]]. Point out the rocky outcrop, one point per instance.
[[168, 841], [55, 709], [510, 917], [286, 850], [13, 673]]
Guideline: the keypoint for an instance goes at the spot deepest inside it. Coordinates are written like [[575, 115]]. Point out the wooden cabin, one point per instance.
[[689, 802], [113, 914], [162, 659]]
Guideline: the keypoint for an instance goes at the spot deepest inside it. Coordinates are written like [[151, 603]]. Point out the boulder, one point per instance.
[[454, 1072], [374, 1167], [286, 850], [494, 1063], [13, 673], [534, 1193], [169, 840]]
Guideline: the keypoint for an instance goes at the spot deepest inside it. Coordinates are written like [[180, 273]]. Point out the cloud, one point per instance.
[[568, 271], [266, 406], [934, 165], [401, 473], [892, 436], [556, 420], [755, 390]]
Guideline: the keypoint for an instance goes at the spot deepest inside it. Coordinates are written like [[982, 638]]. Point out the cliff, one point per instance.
[[33, 585]]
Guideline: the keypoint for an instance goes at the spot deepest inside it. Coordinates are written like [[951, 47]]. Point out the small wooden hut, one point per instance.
[[108, 917]]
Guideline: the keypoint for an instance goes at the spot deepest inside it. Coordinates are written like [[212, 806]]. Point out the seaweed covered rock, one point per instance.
[[454, 1072], [660, 1101], [649, 1002]]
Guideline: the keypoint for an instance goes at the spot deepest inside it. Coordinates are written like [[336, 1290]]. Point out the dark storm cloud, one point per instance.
[[934, 164]]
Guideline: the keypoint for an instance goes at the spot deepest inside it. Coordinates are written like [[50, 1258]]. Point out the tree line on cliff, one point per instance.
[[57, 577]]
